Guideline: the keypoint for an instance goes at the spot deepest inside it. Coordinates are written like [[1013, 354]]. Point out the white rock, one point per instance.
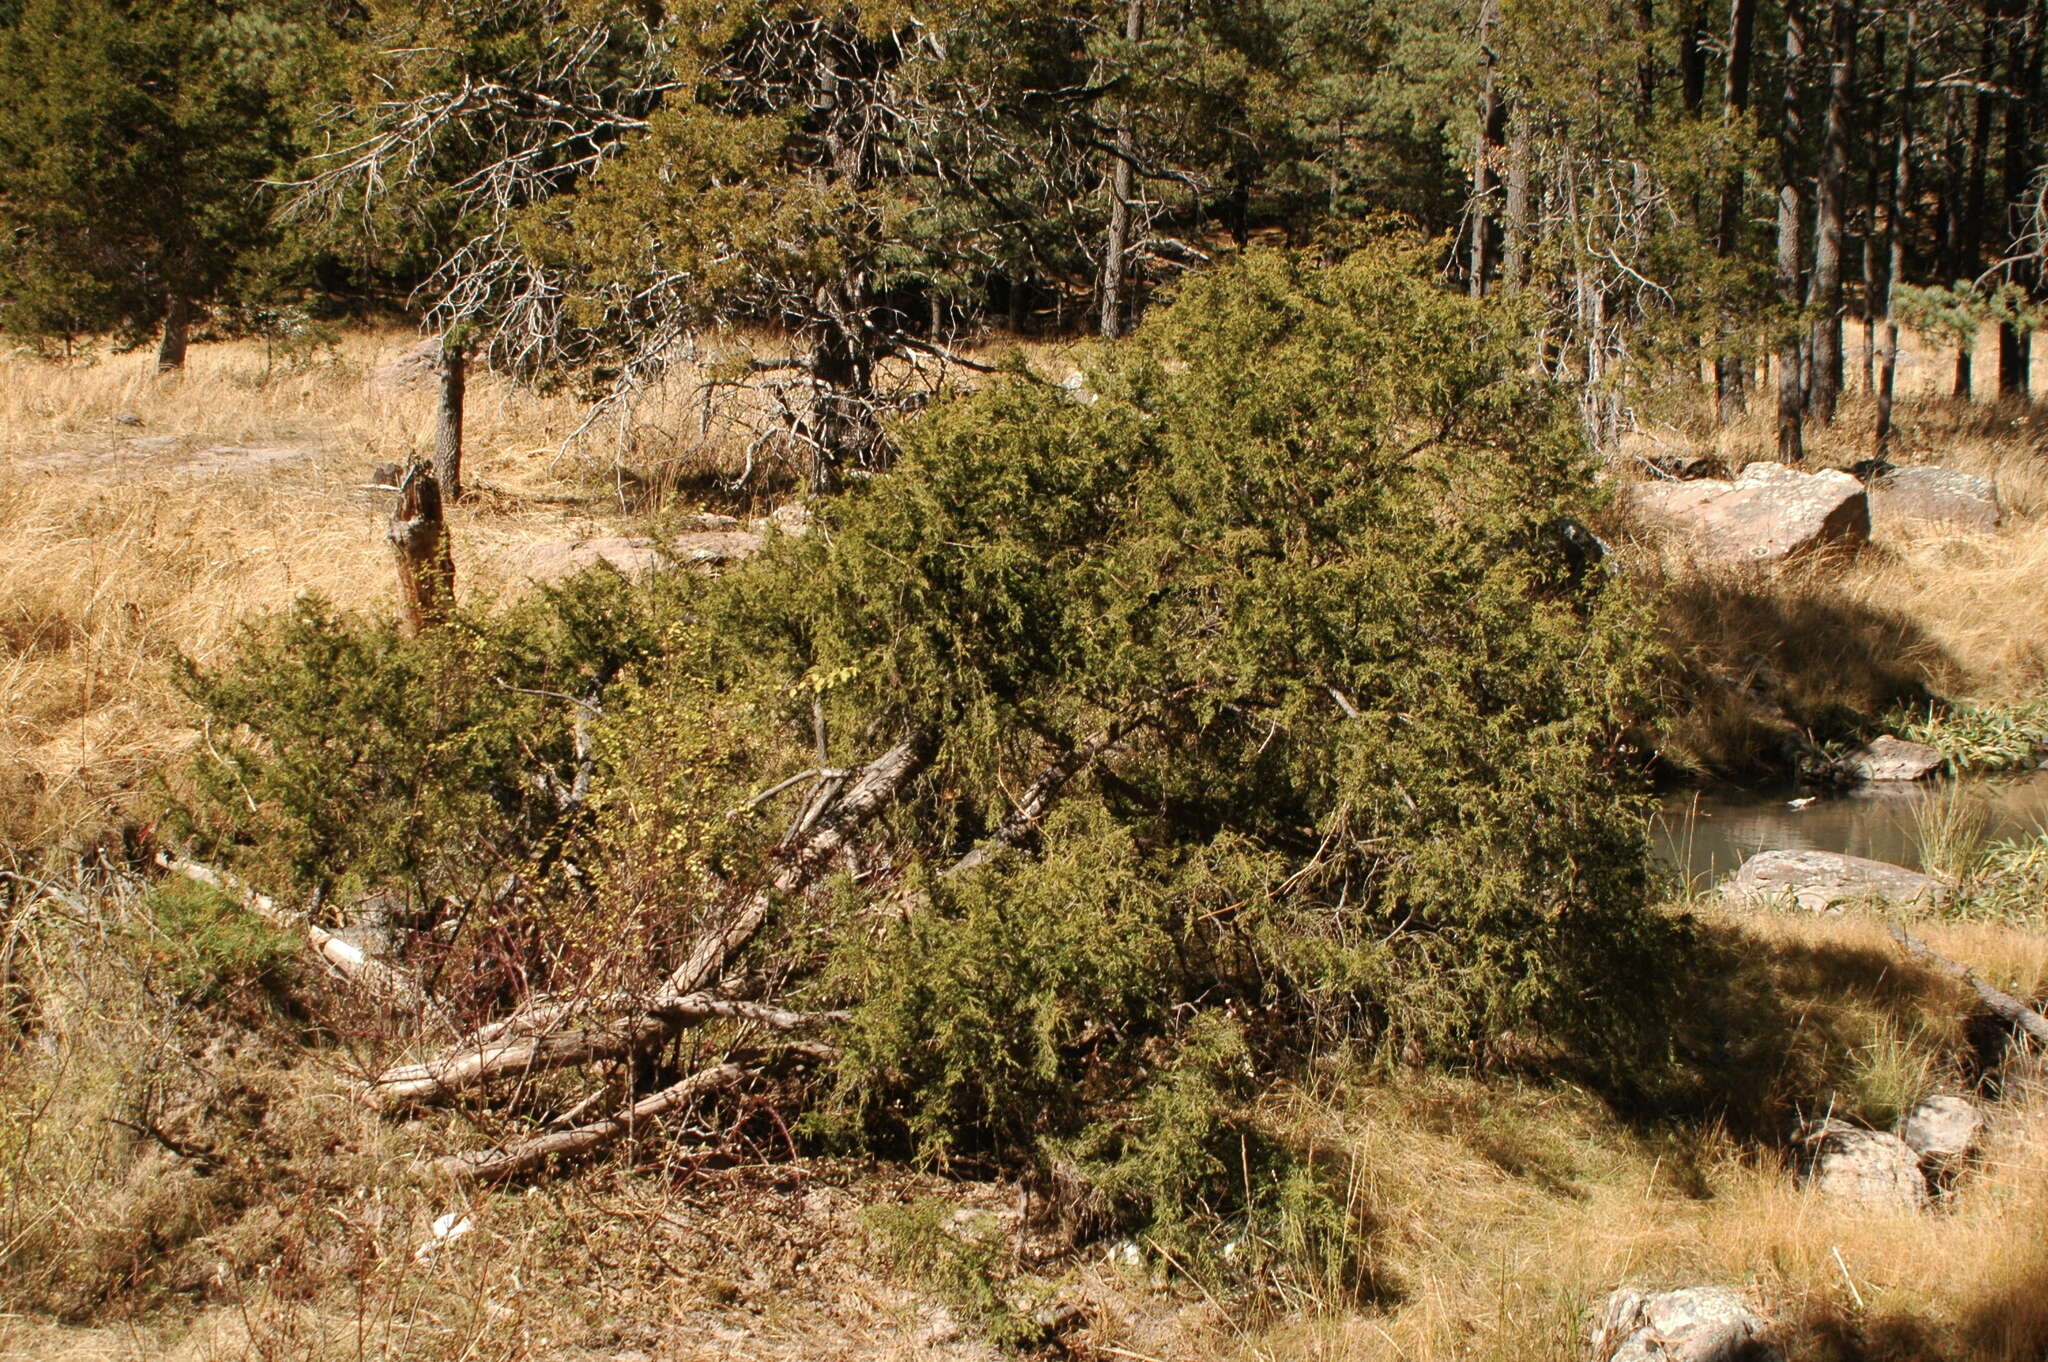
[[415, 366], [1695, 1324], [1942, 1128], [1889, 758], [1934, 495], [1869, 1167], [446, 1230], [1820, 880], [1768, 514]]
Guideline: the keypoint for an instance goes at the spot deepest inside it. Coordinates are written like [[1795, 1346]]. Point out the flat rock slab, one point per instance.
[[1942, 496], [1693, 1324], [1942, 1129], [1889, 758], [1819, 880], [1870, 1167], [551, 562], [1770, 513]]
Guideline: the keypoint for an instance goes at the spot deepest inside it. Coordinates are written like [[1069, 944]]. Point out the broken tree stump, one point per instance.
[[426, 561]]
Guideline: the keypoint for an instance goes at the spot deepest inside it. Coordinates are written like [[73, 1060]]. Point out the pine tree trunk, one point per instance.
[[2015, 344], [1646, 60], [1484, 143], [1791, 396], [448, 419], [1692, 59], [1515, 237], [1729, 381], [170, 350], [1826, 296], [1116, 244], [842, 414], [1970, 239], [1895, 246]]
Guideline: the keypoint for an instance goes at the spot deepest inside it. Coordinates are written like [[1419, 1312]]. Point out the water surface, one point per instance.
[[1706, 834]]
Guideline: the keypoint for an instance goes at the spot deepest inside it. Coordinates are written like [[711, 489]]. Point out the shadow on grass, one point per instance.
[[1779, 1028], [1769, 667], [2007, 1321]]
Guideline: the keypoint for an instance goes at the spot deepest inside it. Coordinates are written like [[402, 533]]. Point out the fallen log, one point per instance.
[[351, 960], [580, 1142], [2000, 1002], [530, 1053], [1039, 795], [879, 782]]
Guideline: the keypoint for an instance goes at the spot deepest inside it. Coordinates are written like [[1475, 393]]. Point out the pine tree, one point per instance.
[[132, 140]]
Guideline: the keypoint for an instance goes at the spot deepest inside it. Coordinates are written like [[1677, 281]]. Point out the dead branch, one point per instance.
[[203, 1159], [1998, 1000], [533, 1046], [351, 960], [543, 1044], [1040, 794], [878, 783], [555, 1146]]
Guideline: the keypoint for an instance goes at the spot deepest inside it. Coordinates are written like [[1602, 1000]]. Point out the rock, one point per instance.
[[1942, 496], [128, 418], [1819, 880], [1869, 1167], [1768, 514], [415, 366], [1694, 1324], [792, 518], [713, 547], [1889, 758], [1059, 1318], [1684, 467], [551, 562], [1942, 1130], [710, 520]]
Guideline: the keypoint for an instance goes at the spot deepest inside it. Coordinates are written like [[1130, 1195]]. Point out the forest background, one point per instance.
[[586, 192]]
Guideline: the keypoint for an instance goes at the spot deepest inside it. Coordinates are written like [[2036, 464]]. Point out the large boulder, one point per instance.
[[1694, 1324], [1869, 1167], [1942, 1130], [1819, 880], [1933, 495], [413, 367], [1768, 514], [1889, 758]]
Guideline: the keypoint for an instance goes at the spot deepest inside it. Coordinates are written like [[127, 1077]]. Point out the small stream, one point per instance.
[[1705, 834]]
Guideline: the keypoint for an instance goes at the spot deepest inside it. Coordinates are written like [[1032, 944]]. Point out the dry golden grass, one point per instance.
[[1777, 659], [236, 490], [1492, 1213], [1498, 1214]]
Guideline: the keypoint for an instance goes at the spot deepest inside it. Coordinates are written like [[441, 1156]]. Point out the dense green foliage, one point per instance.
[[132, 138], [1299, 551], [199, 946]]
